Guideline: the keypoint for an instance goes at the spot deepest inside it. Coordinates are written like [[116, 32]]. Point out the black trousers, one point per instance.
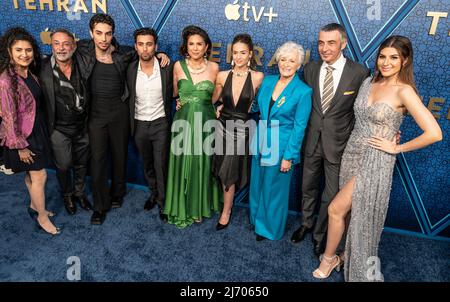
[[152, 141], [70, 152], [108, 134], [314, 168]]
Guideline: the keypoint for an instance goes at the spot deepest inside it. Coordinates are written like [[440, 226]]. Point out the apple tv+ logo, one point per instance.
[[232, 12]]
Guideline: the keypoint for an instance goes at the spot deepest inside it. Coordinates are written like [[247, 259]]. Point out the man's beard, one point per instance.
[[147, 58], [64, 57]]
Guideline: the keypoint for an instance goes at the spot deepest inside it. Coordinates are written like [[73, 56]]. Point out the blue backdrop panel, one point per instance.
[[421, 187]]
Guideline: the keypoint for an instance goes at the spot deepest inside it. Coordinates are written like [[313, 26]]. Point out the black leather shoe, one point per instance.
[[150, 203], [70, 205], [299, 234], [260, 238], [98, 217], [83, 202], [317, 248], [116, 202]]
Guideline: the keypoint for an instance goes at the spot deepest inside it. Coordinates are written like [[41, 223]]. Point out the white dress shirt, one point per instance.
[[149, 104], [337, 73]]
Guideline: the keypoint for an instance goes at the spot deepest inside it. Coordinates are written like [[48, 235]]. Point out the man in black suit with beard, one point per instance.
[[66, 107], [335, 81], [151, 96]]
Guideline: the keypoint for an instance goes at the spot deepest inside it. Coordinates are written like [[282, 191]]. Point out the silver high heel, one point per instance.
[[333, 262]]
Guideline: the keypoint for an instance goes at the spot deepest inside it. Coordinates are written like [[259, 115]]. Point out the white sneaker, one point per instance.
[[6, 171]]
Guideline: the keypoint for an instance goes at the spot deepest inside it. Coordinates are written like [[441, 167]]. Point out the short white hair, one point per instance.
[[290, 47]]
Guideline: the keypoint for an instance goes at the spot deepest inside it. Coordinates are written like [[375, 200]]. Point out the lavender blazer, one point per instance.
[[17, 119]]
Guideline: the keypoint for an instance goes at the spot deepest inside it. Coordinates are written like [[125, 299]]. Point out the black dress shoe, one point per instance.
[[70, 205], [98, 217], [318, 248], [220, 226], [40, 228], [83, 202], [116, 202], [34, 214], [299, 234], [260, 238], [150, 203]]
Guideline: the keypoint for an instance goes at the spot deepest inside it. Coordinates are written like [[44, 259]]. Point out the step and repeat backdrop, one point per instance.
[[421, 187]]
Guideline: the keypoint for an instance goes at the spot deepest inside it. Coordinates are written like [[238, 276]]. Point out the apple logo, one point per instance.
[[232, 11], [45, 37]]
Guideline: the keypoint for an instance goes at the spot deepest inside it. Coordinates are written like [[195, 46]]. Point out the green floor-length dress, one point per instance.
[[192, 191]]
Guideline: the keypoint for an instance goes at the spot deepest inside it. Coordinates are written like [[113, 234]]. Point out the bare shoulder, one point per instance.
[[257, 78], [221, 76], [177, 66], [407, 93], [214, 66], [257, 75]]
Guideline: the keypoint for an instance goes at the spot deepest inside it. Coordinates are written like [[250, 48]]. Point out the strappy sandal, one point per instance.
[[333, 262]]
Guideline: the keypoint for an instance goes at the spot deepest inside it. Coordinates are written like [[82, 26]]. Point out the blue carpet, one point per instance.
[[134, 245]]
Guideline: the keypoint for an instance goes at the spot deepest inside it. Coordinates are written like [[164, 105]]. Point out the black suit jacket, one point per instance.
[[48, 90], [167, 89], [121, 56], [333, 128]]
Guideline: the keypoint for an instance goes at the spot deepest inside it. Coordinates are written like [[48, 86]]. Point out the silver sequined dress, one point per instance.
[[373, 170]]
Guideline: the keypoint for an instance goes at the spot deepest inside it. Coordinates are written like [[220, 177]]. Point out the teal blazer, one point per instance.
[[280, 135]]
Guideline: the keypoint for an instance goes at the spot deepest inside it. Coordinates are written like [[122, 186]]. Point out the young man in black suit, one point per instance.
[[151, 95], [335, 81]]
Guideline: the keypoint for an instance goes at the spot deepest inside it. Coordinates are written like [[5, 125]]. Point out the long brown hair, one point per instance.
[[404, 47]]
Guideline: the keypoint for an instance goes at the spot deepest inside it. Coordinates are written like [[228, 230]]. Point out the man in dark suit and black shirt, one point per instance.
[[335, 81], [66, 104], [151, 95]]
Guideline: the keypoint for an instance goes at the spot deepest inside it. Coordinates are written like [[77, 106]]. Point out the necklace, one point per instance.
[[196, 71], [240, 74]]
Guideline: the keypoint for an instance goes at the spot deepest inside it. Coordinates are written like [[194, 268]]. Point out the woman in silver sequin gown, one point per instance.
[[368, 161]]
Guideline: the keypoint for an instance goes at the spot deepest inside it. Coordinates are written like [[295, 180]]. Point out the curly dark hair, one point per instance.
[[10, 37], [102, 18], [194, 30]]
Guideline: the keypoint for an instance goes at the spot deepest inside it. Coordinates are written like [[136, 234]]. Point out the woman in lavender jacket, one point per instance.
[[22, 132]]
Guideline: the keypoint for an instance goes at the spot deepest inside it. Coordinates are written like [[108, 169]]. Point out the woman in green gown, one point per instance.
[[192, 191]]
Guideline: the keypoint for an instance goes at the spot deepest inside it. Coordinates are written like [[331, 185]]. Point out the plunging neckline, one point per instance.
[[242, 89]]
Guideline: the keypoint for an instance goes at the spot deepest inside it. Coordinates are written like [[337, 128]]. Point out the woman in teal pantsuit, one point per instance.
[[284, 102]]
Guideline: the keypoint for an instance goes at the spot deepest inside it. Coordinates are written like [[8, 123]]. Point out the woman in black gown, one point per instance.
[[23, 132], [235, 90]]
